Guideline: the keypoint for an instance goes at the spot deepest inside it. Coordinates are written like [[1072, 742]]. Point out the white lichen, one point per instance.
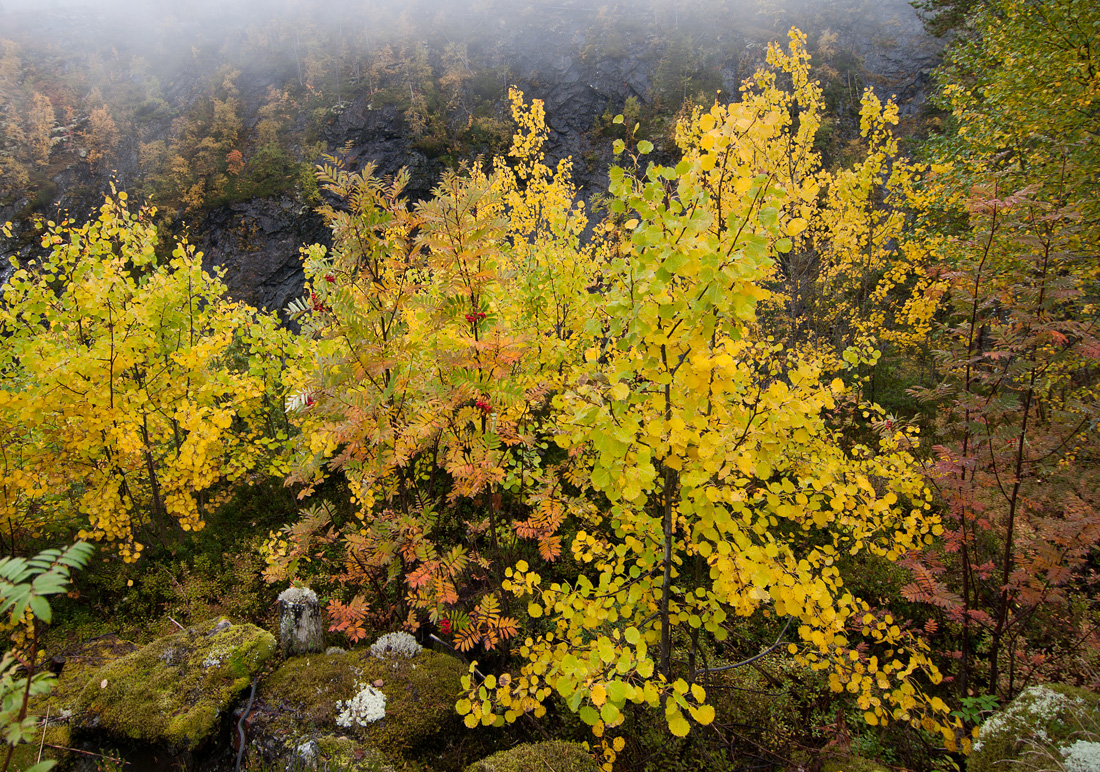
[[394, 645], [1082, 756], [215, 658], [1036, 706], [297, 595], [367, 706]]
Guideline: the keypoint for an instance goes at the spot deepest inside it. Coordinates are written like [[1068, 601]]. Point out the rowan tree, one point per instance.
[[435, 335], [1009, 213]]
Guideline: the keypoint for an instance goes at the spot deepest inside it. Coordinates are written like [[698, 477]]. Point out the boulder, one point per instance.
[[554, 754], [174, 691], [395, 705], [1043, 725]]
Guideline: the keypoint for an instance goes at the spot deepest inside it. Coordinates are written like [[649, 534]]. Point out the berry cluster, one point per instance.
[[484, 406], [476, 317]]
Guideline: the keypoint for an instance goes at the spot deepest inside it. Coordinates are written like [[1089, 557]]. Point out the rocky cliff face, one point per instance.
[[569, 60], [256, 242]]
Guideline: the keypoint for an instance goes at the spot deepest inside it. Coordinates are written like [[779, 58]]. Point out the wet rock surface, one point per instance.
[[257, 242], [173, 692]]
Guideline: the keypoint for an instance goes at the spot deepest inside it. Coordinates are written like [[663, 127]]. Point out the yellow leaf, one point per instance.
[[796, 226], [677, 724]]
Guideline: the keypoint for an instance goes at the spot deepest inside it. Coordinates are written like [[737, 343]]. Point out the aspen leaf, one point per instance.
[[796, 226], [704, 714], [677, 724]]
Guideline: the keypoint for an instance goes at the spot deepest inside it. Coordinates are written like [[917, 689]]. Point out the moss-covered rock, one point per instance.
[[173, 691], [853, 764], [332, 752], [1053, 721], [555, 754], [55, 710], [304, 697]]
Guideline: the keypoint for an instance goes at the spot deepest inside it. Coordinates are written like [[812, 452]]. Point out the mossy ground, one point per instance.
[[554, 754], [173, 691], [853, 764], [420, 694], [298, 703], [343, 753], [55, 708]]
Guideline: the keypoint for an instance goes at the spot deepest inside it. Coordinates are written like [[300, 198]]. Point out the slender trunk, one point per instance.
[[666, 585], [1007, 557], [964, 667]]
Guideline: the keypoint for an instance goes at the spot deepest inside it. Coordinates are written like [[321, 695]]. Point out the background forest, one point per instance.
[[707, 386]]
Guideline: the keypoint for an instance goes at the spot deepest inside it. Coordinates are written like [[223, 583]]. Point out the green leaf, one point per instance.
[[645, 147], [40, 607], [609, 713]]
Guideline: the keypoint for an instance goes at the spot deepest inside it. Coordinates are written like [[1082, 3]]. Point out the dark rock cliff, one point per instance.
[[569, 60]]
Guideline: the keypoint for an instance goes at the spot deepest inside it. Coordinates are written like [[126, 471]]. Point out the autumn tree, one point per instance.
[[40, 123], [132, 390], [423, 385], [727, 492], [1010, 213], [101, 136]]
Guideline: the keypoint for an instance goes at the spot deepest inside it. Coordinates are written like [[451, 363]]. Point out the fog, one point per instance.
[[136, 15]]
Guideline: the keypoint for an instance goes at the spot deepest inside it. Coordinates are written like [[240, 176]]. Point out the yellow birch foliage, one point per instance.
[[129, 391], [729, 490], [840, 277]]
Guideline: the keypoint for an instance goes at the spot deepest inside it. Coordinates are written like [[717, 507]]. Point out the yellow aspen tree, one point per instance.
[[101, 136], [40, 123], [729, 491], [131, 390]]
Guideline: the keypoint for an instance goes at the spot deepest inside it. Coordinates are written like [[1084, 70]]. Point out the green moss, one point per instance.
[[853, 764], [556, 755], [1042, 718], [343, 753], [420, 694], [173, 690], [25, 756], [59, 704]]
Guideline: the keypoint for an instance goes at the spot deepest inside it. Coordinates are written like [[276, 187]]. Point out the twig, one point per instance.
[[763, 653], [177, 624], [45, 723], [437, 639], [86, 753]]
